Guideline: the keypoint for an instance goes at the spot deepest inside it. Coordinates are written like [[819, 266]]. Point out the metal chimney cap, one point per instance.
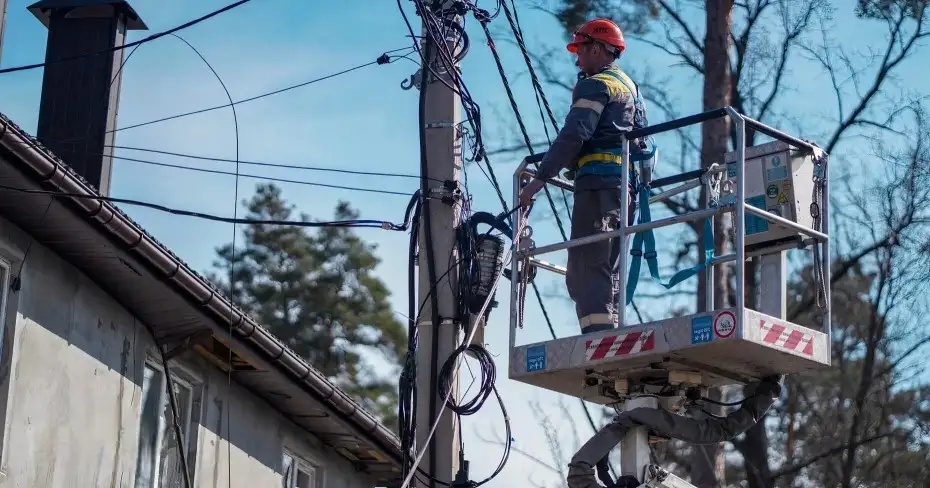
[[84, 8]]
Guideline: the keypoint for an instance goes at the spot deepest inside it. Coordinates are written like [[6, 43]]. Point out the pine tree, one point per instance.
[[316, 291]]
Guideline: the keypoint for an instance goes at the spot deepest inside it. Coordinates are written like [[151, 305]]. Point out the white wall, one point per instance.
[[71, 371]]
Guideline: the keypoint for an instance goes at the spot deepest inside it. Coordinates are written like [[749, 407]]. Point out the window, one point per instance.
[[297, 473], [159, 462]]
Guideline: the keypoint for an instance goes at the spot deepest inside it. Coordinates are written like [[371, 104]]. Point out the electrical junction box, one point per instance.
[[779, 180]]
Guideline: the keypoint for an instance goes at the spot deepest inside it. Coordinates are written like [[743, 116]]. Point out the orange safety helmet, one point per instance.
[[602, 30]]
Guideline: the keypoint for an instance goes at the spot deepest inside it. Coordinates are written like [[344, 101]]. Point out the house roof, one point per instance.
[[181, 306]]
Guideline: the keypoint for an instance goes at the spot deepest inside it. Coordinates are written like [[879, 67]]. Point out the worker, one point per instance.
[[605, 105]]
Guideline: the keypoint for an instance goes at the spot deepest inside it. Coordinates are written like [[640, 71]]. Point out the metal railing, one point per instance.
[[522, 257]]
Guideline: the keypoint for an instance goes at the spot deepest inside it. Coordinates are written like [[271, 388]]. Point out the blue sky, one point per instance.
[[360, 121]]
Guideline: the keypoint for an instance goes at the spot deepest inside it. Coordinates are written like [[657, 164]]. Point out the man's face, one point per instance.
[[588, 57]]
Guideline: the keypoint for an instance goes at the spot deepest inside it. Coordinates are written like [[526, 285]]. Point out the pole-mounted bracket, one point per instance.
[[415, 80], [449, 192]]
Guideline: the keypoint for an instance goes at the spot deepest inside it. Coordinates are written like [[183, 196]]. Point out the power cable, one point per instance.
[[379, 224], [522, 125], [383, 59], [264, 164], [260, 177], [232, 262], [467, 340], [128, 45]]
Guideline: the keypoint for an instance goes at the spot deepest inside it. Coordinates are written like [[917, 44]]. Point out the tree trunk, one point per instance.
[[706, 465]]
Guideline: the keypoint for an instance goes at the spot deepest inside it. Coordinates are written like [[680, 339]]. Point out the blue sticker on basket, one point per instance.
[[702, 329], [535, 358]]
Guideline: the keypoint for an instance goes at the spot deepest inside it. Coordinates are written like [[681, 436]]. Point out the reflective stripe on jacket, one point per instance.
[[590, 142]]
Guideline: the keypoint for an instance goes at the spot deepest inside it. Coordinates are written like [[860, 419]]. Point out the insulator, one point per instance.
[[487, 267]]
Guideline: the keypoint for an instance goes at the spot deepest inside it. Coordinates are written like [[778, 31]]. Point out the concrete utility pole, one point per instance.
[[439, 119]]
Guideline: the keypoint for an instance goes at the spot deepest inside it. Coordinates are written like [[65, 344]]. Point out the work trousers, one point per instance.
[[592, 275]]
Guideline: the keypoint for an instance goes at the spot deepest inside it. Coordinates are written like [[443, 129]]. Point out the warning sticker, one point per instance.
[[771, 191], [724, 324], [782, 198]]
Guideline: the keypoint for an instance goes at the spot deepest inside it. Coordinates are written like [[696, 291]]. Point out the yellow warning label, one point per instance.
[[782, 198]]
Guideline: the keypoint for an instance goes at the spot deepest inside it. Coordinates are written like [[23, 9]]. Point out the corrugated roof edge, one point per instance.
[[46, 166]]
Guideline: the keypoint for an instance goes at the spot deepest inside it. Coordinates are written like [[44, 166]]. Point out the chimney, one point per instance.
[[80, 97]]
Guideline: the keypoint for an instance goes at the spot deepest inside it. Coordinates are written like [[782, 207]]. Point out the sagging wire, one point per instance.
[[263, 164], [364, 223], [385, 58], [130, 44], [260, 177]]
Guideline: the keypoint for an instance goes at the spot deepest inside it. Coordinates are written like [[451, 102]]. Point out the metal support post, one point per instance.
[[437, 341], [624, 261], [634, 448]]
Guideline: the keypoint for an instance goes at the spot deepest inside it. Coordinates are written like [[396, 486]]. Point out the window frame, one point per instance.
[[303, 463], [182, 376], [9, 305]]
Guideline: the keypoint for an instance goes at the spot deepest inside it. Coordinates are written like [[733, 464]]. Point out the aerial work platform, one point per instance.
[[776, 197], [707, 349]]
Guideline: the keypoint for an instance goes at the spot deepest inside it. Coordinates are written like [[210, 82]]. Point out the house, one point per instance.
[[98, 318]]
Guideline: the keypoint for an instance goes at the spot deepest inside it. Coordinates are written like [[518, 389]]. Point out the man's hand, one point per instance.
[[530, 190]]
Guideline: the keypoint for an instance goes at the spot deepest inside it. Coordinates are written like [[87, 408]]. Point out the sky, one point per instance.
[[359, 121]]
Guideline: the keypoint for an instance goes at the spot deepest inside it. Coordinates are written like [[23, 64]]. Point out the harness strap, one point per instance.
[[647, 237], [634, 90]]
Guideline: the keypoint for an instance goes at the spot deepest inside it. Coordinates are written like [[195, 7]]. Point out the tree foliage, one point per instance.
[[317, 292]]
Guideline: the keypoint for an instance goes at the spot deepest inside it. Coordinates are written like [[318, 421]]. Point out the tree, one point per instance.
[[317, 293]]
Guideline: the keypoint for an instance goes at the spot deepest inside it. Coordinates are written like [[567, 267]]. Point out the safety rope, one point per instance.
[[644, 243], [819, 178]]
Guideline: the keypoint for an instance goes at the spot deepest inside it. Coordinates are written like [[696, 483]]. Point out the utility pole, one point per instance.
[[438, 332]]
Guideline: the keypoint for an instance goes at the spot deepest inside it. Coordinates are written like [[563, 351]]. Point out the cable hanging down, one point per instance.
[[437, 56]]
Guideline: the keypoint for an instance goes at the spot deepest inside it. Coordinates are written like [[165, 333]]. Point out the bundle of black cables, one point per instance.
[[485, 388]]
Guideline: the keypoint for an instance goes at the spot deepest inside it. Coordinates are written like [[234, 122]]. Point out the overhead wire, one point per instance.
[[232, 267], [379, 224], [264, 164], [130, 44], [385, 58], [262, 177]]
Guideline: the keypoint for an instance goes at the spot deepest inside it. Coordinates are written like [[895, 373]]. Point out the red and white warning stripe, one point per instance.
[[620, 345], [787, 337]]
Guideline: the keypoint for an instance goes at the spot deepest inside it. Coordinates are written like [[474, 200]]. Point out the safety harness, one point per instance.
[[646, 238], [605, 161]]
